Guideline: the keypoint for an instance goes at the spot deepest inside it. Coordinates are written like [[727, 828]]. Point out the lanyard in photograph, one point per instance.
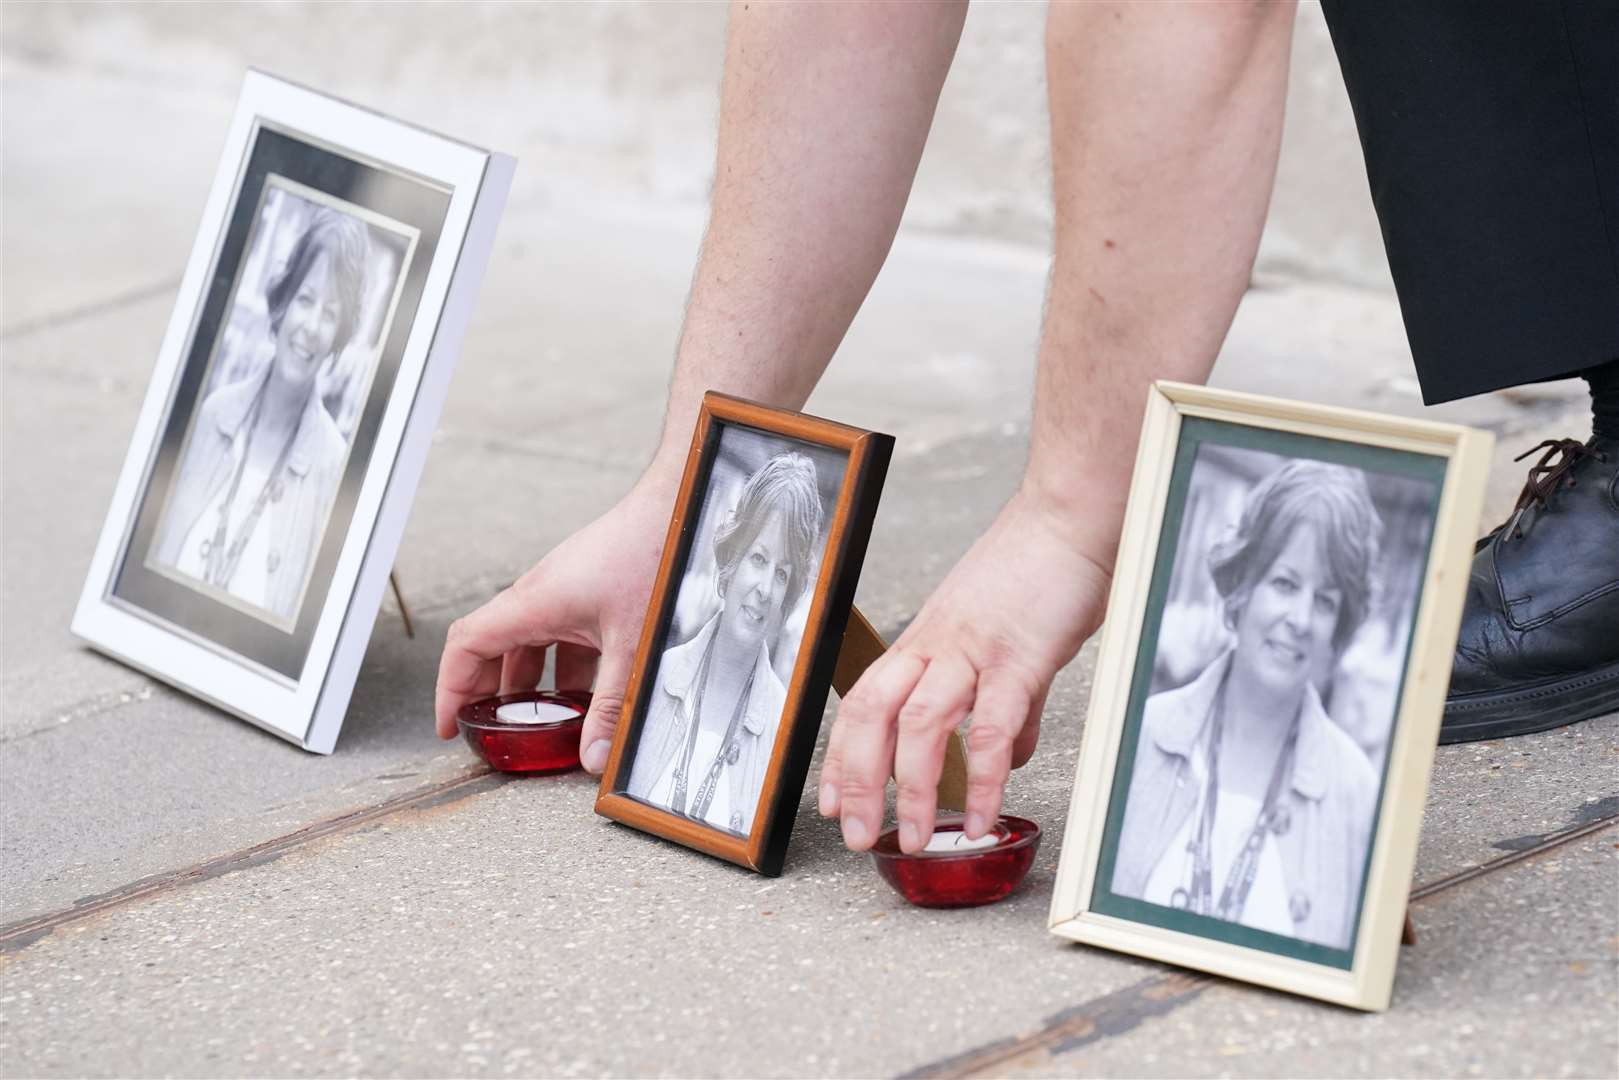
[[222, 559], [1241, 876], [694, 712], [728, 752], [1199, 896]]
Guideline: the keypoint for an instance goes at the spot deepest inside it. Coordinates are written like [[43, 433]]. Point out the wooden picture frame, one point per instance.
[[1122, 879], [734, 438], [271, 622]]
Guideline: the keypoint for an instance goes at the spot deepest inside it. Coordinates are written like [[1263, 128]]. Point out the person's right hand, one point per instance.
[[588, 597]]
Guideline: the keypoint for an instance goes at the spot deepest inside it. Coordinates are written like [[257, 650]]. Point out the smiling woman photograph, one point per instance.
[[1248, 802], [264, 457], [712, 720]]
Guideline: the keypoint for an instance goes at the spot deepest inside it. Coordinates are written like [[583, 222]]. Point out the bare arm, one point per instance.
[[824, 112], [1166, 121]]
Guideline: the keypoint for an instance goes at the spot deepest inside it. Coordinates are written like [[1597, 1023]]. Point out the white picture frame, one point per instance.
[[430, 206], [1101, 896]]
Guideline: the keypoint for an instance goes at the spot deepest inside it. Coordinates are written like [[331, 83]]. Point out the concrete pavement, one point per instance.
[[499, 928]]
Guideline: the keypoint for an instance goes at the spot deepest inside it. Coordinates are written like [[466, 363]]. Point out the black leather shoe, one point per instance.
[[1539, 644]]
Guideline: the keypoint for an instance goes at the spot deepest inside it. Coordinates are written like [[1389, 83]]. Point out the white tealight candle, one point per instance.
[[952, 841], [537, 713]]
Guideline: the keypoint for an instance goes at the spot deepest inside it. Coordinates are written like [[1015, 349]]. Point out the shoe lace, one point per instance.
[[1545, 476]]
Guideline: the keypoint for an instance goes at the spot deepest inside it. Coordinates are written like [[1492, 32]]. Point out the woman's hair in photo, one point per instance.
[[343, 239], [1333, 498], [786, 483]]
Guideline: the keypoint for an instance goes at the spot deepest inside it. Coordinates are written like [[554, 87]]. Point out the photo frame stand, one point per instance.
[[404, 609], [862, 645]]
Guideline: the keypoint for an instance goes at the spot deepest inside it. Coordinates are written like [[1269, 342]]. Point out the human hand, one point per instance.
[[988, 642], [588, 597]]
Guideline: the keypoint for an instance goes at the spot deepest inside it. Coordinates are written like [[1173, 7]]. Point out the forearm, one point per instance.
[[1166, 122], [824, 112]]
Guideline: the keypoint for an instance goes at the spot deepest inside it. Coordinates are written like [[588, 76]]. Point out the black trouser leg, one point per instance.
[[1491, 135], [1604, 383]]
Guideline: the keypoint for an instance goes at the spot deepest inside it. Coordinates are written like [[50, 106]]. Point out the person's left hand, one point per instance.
[[988, 642]]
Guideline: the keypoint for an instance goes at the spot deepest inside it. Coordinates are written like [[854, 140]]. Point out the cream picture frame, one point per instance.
[[1084, 908]]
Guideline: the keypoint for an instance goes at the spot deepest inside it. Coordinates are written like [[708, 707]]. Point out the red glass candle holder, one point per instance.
[[967, 878], [533, 732]]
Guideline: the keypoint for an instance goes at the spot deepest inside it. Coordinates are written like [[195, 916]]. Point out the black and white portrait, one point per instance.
[[291, 369], [1275, 677], [720, 685], [255, 520]]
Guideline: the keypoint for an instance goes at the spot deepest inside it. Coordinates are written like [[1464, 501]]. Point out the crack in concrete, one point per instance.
[[541, 451], [1584, 814], [1124, 1010], [1100, 1018], [23, 933], [95, 705], [98, 307]]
